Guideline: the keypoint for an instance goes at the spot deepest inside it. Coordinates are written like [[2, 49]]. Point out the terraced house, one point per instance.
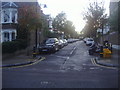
[[9, 16], [14, 36]]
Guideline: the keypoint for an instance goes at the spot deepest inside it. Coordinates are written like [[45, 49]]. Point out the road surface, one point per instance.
[[70, 67]]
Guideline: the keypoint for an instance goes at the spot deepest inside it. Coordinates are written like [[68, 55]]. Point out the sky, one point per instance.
[[72, 8]]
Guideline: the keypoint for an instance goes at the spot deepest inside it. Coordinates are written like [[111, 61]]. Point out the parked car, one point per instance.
[[71, 40], [50, 45], [94, 49], [65, 42], [85, 39], [89, 42], [60, 44]]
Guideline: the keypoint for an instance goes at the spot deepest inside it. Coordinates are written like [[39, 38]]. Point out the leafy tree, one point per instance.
[[60, 23], [29, 19], [95, 18], [69, 29]]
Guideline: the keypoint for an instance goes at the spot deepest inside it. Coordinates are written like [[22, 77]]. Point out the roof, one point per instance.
[[18, 4], [9, 5]]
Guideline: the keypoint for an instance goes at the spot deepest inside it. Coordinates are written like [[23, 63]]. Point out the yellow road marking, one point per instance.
[[93, 62], [25, 65]]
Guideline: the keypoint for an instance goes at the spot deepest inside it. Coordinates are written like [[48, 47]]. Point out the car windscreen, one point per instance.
[[61, 41], [50, 41], [90, 40], [64, 40]]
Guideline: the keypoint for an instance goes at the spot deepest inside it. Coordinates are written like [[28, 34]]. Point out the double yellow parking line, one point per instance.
[[26, 64], [94, 62]]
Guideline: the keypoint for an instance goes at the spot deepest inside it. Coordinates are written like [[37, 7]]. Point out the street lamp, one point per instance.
[[44, 5]]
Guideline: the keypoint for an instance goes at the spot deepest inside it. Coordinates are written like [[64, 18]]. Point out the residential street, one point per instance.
[[70, 67]]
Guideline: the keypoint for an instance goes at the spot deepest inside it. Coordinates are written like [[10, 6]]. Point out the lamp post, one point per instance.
[[44, 5]]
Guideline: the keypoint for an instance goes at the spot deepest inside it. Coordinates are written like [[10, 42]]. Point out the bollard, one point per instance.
[[34, 55], [34, 52], [101, 51]]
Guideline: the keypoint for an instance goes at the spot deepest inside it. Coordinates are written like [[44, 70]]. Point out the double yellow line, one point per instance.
[[94, 62], [26, 64]]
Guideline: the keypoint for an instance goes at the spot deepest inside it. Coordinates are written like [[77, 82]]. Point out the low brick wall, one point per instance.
[[112, 38], [115, 51]]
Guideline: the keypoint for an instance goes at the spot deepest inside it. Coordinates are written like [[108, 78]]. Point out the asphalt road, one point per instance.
[[70, 67]]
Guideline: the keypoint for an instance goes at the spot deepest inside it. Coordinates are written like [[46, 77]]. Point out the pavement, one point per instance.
[[19, 60], [116, 47], [112, 61]]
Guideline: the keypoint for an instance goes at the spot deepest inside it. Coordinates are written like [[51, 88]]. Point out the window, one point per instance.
[[9, 16], [6, 16], [6, 36], [14, 16], [13, 36]]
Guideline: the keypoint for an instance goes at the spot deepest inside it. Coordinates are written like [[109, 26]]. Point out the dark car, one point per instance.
[[94, 49], [50, 45]]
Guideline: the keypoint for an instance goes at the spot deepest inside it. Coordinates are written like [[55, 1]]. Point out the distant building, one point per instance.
[[49, 20], [106, 29], [113, 8]]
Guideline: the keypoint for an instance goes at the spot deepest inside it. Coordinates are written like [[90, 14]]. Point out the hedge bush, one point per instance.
[[13, 46]]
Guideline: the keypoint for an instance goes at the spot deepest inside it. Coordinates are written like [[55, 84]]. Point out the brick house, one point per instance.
[[9, 20], [9, 16], [114, 33]]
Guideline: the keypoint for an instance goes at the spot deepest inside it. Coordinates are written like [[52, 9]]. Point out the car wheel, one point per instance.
[[56, 48]]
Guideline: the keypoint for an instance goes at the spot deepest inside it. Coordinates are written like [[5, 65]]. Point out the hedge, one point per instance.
[[13, 46]]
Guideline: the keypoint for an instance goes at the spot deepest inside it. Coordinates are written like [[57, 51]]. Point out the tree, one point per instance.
[[95, 17], [86, 31], [29, 19], [59, 21], [69, 29]]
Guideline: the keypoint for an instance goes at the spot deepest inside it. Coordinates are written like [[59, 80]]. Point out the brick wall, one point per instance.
[[113, 38]]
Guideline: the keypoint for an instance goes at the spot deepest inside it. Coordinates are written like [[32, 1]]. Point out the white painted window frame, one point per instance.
[[10, 31], [10, 15]]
